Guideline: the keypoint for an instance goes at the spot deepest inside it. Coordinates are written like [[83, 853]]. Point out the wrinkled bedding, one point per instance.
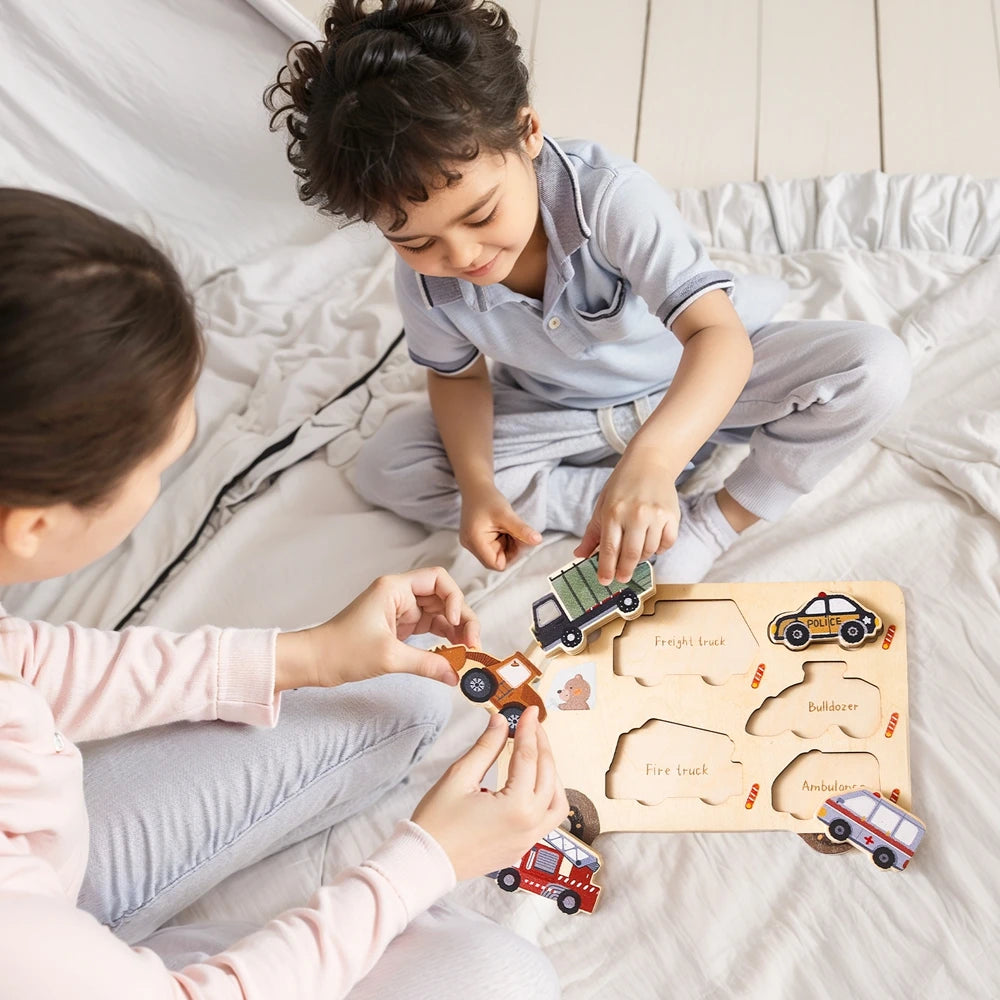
[[259, 523]]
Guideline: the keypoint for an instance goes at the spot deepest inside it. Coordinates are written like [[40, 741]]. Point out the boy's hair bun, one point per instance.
[[395, 96]]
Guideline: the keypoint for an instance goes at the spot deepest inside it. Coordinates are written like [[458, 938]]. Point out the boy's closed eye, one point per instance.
[[489, 218], [475, 225]]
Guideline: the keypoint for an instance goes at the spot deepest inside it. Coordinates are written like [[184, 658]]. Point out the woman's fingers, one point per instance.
[[523, 771], [472, 766]]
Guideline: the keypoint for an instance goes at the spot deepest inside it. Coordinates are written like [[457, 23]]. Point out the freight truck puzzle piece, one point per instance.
[[578, 603]]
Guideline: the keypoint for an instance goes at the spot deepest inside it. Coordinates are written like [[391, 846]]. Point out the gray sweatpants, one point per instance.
[[818, 390]]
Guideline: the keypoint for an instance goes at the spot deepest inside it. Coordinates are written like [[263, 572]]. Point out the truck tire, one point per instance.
[[512, 713], [840, 830], [572, 638], [509, 879], [478, 685], [627, 601], [568, 902], [884, 857]]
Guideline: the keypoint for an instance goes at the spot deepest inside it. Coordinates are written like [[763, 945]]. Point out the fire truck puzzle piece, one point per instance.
[[866, 820], [503, 686], [558, 867], [578, 603], [715, 742], [824, 618]]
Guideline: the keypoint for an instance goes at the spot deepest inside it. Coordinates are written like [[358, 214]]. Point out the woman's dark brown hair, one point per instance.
[[99, 347], [395, 98]]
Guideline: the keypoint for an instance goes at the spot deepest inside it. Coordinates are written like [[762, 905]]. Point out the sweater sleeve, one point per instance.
[[100, 684], [320, 950]]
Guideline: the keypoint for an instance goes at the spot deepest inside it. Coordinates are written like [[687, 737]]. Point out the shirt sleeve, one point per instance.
[[319, 950], [643, 237], [100, 684], [432, 339]]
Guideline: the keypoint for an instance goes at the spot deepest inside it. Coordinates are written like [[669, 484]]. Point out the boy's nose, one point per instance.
[[464, 257]]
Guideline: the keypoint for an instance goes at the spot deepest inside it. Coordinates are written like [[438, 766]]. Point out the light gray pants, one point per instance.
[[176, 809], [818, 390], [448, 952]]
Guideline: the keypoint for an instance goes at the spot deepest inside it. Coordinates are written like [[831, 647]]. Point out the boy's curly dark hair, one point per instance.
[[394, 98]]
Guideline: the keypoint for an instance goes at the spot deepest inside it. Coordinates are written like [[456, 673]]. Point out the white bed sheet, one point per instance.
[[260, 525], [730, 915]]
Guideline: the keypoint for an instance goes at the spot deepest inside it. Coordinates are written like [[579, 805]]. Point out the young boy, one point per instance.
[[616, 349]]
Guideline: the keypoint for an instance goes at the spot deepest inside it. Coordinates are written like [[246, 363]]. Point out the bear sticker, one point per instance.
[[573, 694], [573, 690]]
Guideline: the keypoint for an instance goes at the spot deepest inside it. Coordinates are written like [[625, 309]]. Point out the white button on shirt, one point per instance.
[[554, 323]]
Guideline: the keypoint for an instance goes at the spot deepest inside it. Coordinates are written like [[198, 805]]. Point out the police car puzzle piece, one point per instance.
[[871, 823], [558, 867], [503, 686], [578, 603], [824, 618]]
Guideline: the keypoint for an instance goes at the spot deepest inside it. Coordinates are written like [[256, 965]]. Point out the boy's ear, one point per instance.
[[22, 530], [534, 139]]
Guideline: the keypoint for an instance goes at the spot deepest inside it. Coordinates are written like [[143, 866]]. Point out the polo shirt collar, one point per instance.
[[562, 215]]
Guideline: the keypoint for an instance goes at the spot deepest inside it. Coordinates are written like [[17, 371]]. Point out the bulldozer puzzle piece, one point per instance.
[[503, 686]]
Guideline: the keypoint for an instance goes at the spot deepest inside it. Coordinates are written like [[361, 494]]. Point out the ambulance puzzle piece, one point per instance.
[[872, 823]]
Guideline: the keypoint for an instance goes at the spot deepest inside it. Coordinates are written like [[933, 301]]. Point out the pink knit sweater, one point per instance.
[[66, 683]]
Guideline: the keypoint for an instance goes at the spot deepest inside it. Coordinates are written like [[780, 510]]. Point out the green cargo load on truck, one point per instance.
[[578, 601], [579, 591]]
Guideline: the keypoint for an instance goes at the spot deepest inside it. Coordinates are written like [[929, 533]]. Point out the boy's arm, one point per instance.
[[637, 513], [714, 367], [461, 399], [643, 237], [462, 405]]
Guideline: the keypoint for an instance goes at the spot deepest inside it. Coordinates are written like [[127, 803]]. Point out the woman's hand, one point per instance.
[[484, 831], [366, 638], [491, 530], [636, 515]]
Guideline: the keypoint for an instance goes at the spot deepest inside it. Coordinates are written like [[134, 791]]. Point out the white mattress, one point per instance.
[[260, 525]]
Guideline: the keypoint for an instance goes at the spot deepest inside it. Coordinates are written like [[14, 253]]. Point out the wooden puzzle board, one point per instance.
[[696, 720]]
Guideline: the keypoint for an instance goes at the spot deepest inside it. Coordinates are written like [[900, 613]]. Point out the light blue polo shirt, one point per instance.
[[622, 266]]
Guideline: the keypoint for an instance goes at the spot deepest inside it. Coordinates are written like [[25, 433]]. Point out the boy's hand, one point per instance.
[[636, 515], [366, 638], [491, 530], [484, 831]]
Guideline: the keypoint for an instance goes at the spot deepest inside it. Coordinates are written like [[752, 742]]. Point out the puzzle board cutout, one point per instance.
[[690, 717]]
